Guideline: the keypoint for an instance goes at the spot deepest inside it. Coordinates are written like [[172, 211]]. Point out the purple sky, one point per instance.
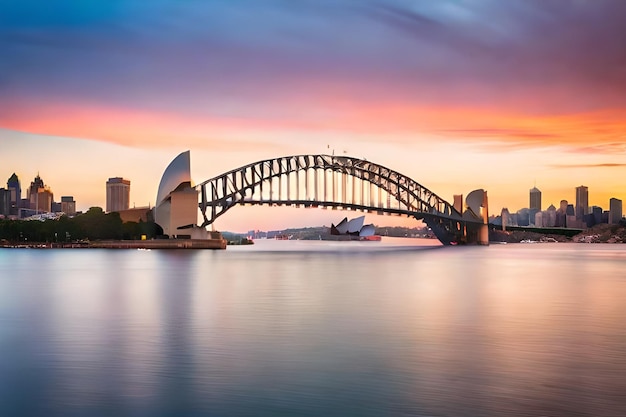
[[252, 79]]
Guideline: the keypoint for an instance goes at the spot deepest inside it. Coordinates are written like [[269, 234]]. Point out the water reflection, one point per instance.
[[505, 330]]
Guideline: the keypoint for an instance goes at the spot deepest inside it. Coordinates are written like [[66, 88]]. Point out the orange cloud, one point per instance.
[[134, 128], [599, 132]]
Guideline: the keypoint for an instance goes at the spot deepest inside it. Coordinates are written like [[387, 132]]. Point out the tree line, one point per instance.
[[91, 225]]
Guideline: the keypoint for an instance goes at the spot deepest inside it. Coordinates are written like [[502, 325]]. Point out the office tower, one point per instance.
[[596, 213], [535, 199], [13, 185], [68, 205], [39, 196], [550, 216], [118, 194], [5, 201], [570, 218], [615, 210], [505, 216], [582, 202], [538, 219], [523, 217], [561, 214]]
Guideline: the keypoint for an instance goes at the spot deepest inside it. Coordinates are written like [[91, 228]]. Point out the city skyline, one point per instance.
[[457, 96], [612, 211]]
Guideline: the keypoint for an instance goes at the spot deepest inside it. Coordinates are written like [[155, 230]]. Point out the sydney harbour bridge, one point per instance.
[[341, 182]]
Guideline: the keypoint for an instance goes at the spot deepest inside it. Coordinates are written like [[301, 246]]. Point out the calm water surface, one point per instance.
[[315, 329]]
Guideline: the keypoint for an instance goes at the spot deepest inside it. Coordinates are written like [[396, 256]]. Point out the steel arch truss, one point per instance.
[[325, 181]]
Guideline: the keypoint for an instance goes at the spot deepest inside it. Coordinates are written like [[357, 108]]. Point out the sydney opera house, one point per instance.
[[176, 208], [353, 227]]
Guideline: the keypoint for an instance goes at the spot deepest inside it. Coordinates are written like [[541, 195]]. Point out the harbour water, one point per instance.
[[391, 328]]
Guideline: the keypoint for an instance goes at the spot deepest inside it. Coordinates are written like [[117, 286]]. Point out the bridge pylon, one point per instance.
[[477, 232]]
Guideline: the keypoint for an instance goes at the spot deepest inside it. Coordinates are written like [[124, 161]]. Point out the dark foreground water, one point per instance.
[[314, 329]]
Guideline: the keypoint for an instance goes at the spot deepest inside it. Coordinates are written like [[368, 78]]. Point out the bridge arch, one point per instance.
[[329, 181]]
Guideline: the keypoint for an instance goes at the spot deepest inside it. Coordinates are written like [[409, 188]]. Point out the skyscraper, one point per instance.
[[39, 196], [13, 185], [5, 201], [582, 202], [561, 214], [118, 194], [535, 199], [615, 210], [68, 205]]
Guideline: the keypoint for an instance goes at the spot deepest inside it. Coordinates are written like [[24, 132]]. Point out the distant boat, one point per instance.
[[282, 237]]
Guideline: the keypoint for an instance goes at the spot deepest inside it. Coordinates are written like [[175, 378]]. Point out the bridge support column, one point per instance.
[[483, 235], [478, 208]]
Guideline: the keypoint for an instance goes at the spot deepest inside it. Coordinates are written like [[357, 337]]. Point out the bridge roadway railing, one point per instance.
[[347, 206]]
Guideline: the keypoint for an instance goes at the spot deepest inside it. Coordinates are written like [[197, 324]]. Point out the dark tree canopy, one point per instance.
[[95, 224]]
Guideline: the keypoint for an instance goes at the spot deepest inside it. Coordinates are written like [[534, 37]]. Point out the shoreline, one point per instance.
[[216, 244]]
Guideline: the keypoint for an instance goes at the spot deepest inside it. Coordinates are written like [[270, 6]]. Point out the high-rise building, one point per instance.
[[596, 213], [5, 201], [40, 196], [505, 216], [68, 205], [13, 185], [535, 199], [538, 219], [615, 210], [118, 194], [582, 202], [549, 219], [561, 214], [523, 217], [570, 218]]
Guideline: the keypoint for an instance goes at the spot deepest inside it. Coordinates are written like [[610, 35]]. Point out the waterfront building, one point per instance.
[[136, 214], [582, 201], [118, 194], [13, 185], [615, 210], [535, 199], [68, 205], [40, 196], [176, 209]]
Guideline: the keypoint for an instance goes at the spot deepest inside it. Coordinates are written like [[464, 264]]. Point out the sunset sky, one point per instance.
[[458, 95]]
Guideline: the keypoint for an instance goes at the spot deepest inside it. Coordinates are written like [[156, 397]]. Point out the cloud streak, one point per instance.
[[602, 165], [523, 73]]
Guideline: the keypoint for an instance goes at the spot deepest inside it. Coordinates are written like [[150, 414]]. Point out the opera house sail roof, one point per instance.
[[353, 227], [176, 208], [177, 172]]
